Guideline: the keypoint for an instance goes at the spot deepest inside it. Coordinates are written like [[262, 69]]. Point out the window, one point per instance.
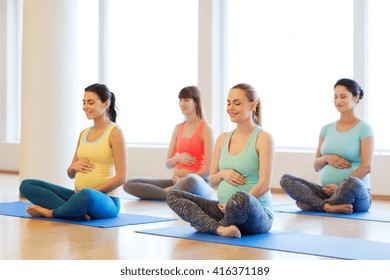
[[152, 55], [10, 70], [87, 53], [378, 90], [292, 52]]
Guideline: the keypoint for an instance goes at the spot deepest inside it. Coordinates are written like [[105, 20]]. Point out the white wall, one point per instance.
[[3, 66], [9, 157]]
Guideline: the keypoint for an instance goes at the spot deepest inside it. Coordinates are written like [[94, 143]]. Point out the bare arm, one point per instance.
[[208, 142], [119, 153], [265, 148], [366, 152], [319, 161], [215, 174], [171, 156]]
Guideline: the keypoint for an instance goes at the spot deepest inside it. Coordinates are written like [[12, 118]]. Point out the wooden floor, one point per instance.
[[27, 239]]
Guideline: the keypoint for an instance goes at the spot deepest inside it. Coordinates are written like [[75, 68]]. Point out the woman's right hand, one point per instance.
[[330, 189], [175, 179], [83, 165], [233, 177], [337, 161], [185, 158]]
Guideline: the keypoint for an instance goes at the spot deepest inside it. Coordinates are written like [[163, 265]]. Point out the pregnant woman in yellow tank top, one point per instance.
[[99, 167]]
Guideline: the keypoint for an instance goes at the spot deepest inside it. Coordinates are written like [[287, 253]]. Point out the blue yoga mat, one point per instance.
[[292, 242], [376, 215], [18, 209]]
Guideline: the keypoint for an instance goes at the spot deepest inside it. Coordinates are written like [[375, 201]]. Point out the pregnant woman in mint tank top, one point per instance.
[[241, 169], [344, 159]]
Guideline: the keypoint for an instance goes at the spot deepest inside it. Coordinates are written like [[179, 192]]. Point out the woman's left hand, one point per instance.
[[330, 189], [222, 207], [233, 177]]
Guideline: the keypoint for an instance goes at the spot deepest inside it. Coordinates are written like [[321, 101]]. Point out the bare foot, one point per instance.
[[338, 208], [304, 206], [86, 217], [38, 211], [230, 231]]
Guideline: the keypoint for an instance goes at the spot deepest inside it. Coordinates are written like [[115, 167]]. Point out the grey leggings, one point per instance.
[[151, 188], [350, 191], [242, 210]]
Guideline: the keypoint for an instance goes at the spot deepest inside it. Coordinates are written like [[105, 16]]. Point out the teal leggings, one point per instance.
[[67, 203]]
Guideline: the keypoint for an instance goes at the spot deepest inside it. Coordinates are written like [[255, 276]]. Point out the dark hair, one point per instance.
[[105, 94], [194, 93], [352, 86], [251, 94]]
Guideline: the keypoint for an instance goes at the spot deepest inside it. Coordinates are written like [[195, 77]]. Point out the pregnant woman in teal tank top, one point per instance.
[[344, 159]]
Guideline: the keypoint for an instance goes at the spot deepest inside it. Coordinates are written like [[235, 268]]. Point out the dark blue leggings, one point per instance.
[[350, 191], [67, 203], [242, 210]]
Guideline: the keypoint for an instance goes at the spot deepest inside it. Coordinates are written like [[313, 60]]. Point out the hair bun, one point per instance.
[[361, 93]]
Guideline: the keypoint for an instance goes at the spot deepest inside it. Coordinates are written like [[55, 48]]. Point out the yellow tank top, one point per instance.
[[100, 153]]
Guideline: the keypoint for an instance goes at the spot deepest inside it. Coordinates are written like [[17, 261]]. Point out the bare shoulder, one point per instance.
[[207, 129], [221, 138], [117, 132], [82, 133], [264, 138], [176, 129]]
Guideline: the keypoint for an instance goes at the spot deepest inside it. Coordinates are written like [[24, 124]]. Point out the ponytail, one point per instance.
[[257, 113], [361, 93], [111, 110]]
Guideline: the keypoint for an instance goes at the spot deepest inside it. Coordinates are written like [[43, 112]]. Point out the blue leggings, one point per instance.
[[67, 203], [242, 210], [350, 191]]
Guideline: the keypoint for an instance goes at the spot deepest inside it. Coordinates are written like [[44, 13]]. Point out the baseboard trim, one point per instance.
[[374, 196]]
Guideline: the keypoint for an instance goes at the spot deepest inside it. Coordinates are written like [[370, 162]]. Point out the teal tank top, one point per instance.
[[347, 145], [247, 164]]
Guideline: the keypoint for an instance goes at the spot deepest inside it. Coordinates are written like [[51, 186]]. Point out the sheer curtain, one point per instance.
[[152, 55], [292, 52]]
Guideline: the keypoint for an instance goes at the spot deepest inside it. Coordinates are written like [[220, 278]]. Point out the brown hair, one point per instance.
[[251, 94], [352, 86], [194, 93]]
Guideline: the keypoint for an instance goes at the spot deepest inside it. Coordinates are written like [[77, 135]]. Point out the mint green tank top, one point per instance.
[[247, 164]]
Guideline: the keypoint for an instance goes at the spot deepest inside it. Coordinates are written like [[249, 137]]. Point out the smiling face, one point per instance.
[[187, 106], [93, 106], [239, 107], [343, 99]]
